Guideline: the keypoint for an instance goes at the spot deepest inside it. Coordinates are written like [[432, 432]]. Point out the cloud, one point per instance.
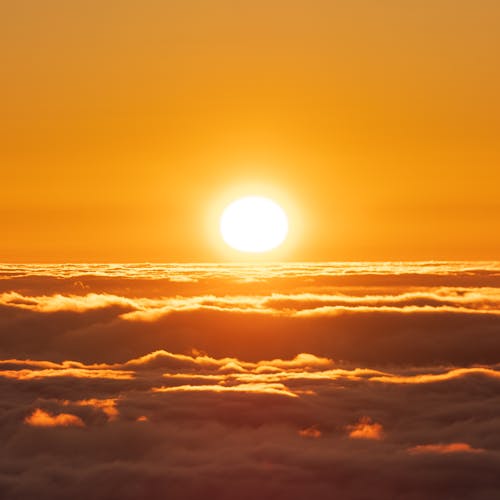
[[108, 406], [366, 429], [363, 336], [40, 418], [310, 432], [291, 381], [260, 388], [443, 449], [429, 378], [146, 309], [235, 429], [66, 372], [417, 313]]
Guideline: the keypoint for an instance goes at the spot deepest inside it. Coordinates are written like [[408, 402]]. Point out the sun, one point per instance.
[[254, 224]]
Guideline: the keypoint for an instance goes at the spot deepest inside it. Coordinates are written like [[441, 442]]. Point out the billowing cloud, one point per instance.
[[40, 418], [366, 429]]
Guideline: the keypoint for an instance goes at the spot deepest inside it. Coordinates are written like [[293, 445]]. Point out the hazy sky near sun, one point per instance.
[[127, 125]]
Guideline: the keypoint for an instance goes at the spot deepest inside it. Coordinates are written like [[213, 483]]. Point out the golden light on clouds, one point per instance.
[[41, 418], [365, 428], [444, 448]]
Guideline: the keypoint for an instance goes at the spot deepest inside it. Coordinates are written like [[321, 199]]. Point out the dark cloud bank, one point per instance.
[[357, 382]]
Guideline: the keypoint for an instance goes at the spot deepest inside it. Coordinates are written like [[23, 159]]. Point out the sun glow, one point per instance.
[[254, 224]]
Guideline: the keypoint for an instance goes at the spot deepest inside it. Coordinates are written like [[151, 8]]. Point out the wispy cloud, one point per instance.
[[444, 449]]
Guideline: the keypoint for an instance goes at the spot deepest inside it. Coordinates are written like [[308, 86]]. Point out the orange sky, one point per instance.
[[127, 125]]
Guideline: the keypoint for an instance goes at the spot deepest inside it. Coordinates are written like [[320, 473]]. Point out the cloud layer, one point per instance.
[[273, 382]]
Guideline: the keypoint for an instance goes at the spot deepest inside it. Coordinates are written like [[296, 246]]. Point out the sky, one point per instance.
[[355, 381], [127, 126]]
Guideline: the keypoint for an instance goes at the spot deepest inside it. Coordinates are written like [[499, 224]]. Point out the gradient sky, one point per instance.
[[126, 126]]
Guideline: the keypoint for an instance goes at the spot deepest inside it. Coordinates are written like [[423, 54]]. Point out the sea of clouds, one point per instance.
[[358, 381]]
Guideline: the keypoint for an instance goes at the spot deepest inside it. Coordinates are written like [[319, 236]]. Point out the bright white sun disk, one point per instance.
[[254, 224]]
